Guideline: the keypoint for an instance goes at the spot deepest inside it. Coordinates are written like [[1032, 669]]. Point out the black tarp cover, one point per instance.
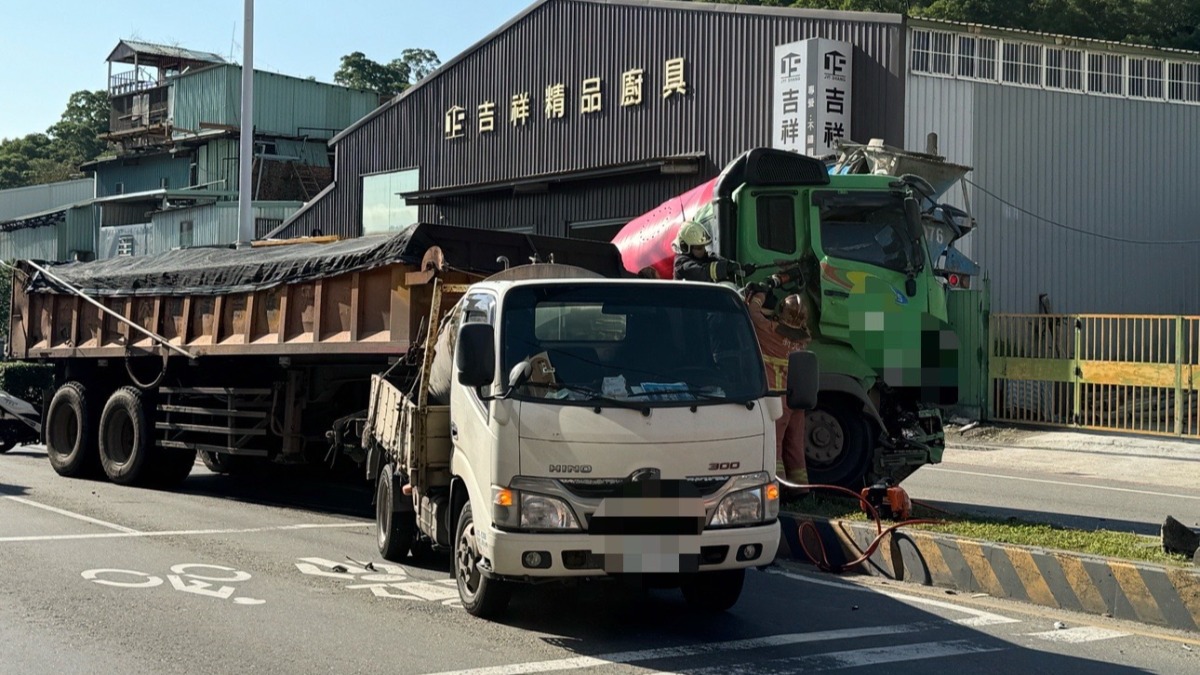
[[219, 271]]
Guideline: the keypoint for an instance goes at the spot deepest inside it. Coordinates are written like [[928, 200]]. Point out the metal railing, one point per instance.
[[1131, 373]]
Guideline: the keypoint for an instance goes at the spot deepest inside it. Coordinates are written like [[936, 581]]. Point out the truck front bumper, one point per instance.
[[578, 554]]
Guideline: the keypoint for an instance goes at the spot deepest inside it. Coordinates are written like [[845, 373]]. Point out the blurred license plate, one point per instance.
[[650, 554]]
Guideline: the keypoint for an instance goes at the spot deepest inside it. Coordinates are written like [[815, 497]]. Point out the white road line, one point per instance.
[[1077, 635], [180, 533], [72, 514], [872, 656], [689, 650], [978, 616], [1064, 483]]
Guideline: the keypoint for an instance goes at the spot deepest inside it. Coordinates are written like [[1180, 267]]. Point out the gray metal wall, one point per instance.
[[1113, 167], [728, 52], [37, 198]]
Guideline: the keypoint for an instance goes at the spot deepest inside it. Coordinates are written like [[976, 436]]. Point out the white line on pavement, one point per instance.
[[180, 533], [855, 658], [72, 514], [1063, 483], [1077, 635], [978, 616], [688, 650]]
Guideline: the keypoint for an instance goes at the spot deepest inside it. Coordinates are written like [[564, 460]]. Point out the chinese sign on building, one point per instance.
[[561, 100], [811, 107]]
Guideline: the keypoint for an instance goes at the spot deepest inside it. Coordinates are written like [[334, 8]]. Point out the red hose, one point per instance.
[[808, 526]]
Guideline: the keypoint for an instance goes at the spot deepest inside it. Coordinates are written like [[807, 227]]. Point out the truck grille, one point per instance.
[[603, 488]]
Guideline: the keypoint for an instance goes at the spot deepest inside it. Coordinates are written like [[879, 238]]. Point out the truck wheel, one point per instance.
[[7, 444], [125, 438], [69, 437], [838, 449], [171, 466], [394, 530], [713, 591], [480, 596]]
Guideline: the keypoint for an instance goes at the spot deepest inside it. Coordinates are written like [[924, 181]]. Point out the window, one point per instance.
[[383, 209], [125, 245], [1022, 63], [119, 189], [1064, 69], [1146, 78], [576, 322], [1106, 74], [185, 234], [776, 223], [866, 227], [977, 58], [1184, 82], [932, 52]]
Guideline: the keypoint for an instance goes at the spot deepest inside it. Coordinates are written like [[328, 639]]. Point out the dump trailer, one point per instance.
[[560, 425], [870, 255], [264, 352]]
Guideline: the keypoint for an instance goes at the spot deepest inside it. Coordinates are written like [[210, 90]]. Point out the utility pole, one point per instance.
[[246, 148]]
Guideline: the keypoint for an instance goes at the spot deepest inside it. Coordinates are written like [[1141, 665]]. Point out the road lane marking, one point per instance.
[[1078, 635], [180, 533], [978, 616], [689, 650], [72, 514], [855, 658], [1064, 483]]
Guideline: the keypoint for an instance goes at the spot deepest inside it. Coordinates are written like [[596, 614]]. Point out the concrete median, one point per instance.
[[1160, 595]]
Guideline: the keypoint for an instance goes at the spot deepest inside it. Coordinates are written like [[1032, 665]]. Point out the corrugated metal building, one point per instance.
[[36, 198], [1086, 149]]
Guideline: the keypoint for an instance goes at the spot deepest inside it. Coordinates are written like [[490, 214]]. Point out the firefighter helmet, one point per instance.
[[693, 234], [793, 314]]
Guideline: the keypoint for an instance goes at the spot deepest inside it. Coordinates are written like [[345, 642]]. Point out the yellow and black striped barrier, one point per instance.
[[1154, 594]]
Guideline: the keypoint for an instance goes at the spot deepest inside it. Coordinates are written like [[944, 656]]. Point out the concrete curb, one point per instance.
[[1154, 594]]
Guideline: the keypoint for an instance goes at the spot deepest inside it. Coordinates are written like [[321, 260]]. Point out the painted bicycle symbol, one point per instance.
[[184, 578]]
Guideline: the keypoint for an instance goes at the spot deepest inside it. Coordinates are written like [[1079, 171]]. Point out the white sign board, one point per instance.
[[811, 108]]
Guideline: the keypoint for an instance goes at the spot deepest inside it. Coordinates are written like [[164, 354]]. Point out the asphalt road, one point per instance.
[[238, 576], [1126, 490]]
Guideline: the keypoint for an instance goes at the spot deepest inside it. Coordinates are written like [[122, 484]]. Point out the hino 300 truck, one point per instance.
[[566, 425]]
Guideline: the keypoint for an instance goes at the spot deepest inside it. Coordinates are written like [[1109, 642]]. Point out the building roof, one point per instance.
[[150, 54], [1056, 38], [871, 17]]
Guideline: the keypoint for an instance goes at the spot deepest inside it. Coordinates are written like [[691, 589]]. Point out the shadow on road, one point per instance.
[[781, 626], [7, 490], [286, 489]]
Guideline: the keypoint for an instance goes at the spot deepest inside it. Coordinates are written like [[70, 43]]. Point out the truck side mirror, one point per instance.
[[803, 380], [475, 354], [912, 216]]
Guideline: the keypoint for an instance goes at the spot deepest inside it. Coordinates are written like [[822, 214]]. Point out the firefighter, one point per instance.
[[780, 332], [694, 262]]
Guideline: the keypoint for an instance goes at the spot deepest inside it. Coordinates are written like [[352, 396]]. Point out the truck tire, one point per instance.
[[171, 466], [713, 591], [126, 439], [837, 447], [70, 441], [480, 596], [394, 530]]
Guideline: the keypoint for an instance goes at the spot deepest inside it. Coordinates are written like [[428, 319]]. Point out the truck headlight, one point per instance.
[[540, 512], [744, 507], [516, 509]]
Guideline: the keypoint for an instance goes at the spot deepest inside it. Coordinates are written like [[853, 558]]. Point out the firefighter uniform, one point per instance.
[[779, 336]]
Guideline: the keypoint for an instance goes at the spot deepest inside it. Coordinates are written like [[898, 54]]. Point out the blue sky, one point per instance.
[[56, 47]]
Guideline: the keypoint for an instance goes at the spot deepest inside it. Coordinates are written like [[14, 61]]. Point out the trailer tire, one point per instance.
[[713, 591], [480, 596], [395, 530], [219, 462], [171, 466], [837, 444], [126, 439], [70, 442]]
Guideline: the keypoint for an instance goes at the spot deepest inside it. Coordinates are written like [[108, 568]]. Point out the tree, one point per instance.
[[76, 136], [360, 72]]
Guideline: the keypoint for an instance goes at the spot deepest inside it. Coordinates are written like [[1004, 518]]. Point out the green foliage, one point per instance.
[[6, 276], [26, 381], [389, 79], [57, 154]]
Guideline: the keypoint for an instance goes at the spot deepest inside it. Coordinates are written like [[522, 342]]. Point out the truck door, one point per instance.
[[770, 228]]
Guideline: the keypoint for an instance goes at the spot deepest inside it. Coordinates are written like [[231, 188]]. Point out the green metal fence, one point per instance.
[[968, 313], [1130, 373]]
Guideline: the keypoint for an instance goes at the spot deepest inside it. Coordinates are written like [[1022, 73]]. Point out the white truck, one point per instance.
[[561, 425]]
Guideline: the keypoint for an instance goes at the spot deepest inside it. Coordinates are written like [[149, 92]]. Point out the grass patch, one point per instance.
[[1125, 545]]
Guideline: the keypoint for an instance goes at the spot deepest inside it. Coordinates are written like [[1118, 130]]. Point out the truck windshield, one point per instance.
[[635, 345], [866, 227]]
